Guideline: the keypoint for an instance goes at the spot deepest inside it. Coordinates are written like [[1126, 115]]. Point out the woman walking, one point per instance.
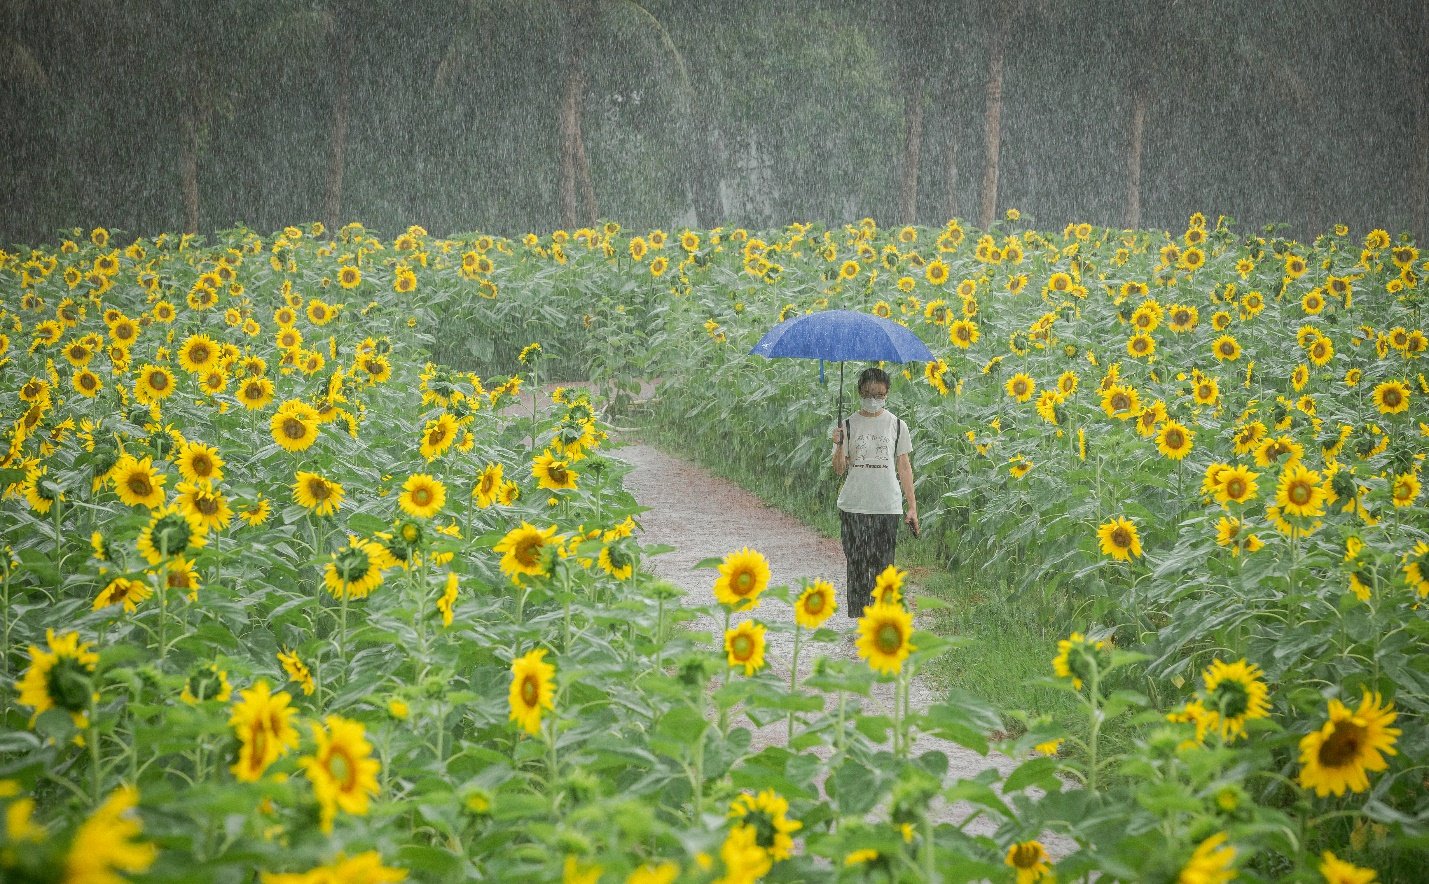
[[872, 446]]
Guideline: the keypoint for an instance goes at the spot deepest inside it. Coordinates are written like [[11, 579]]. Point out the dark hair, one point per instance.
[[875, 374]]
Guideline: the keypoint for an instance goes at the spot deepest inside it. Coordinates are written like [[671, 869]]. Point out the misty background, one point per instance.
[[526, 115]]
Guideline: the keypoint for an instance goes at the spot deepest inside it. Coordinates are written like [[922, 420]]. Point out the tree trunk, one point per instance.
[[188, 168], [1133, 163], [337, 133], [912, 146], [1421, 140], [709, 206], [950, 158], [577, 192], [992, 126]]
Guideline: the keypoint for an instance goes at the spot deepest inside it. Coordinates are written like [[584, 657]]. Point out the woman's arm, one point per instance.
[[840, 459], [905, 479]]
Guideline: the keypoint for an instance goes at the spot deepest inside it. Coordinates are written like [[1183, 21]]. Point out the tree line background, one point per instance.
[[517, 115]]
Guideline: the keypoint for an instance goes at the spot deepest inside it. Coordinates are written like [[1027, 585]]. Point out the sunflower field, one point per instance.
[[292, 592]]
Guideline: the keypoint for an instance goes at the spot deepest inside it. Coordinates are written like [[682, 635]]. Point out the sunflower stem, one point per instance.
[[163, 612], [93, 740], [793, 680], [1094, 703]]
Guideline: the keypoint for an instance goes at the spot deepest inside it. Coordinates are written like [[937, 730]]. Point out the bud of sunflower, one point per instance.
[[695, 669], [171, 535]]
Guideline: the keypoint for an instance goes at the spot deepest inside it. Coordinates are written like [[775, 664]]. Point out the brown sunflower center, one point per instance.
[[293, 428], [742, 583], [1120, 537], [530, 691], [319, 490], [1342, 747], [1235, 488], [888, 638], [1299, 493], [422, 496], [139, 484]]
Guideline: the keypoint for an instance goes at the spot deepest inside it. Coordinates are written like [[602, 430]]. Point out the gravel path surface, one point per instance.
[[704, 516]]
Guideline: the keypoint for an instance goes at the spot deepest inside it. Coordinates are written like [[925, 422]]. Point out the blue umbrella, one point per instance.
[[839, 336]]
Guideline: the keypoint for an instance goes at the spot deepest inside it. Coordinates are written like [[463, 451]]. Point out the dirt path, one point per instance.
[[704, 516]]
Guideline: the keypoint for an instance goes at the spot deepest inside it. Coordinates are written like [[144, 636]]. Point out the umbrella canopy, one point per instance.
[[840, 335]]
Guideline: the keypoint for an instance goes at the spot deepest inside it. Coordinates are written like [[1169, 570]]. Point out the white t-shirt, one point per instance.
[[871, 483]]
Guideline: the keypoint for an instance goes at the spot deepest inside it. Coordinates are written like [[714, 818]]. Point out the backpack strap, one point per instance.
[[897, 434]]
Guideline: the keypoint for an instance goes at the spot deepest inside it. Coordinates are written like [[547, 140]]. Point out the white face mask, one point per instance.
[[870, 404]]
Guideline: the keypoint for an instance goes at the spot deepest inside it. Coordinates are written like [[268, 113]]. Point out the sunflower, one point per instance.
[[1300, 492], [523, 550], [1119, 539], [1278, 449], [615, 560], [1405, 489], [422, 496], [205, 503], [103, 844], [1321, 351], [321, 312], [1206, 391], [815, 604], [1235, 485], [1300, 376], [963, 333], [766, 813], [198, 462], [341, 768], [1337, 871], [438, 435], [1235, 693], [936, 272], [1183, 318], [294, 431], [255, 393], [288, 339], [322, 496], [884, 637], [1020, 387], [1174, 440], [349, 277], [553, 473], [1079, 658], [1416, 568], [744, 646], [1140, 344], [743, 575], [208, 683], [1212, 862], [87, 383], [1031, 861], [1226, 348], [59, 677], [257, 513], [198, 353], [181, 575], [123, 591], [1391, 397], [138, 483], [1121, 401], [1338, 755], [488, 485], [355, 570], [533, 688], [171, 533], [1230, 532], [154, 383]]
